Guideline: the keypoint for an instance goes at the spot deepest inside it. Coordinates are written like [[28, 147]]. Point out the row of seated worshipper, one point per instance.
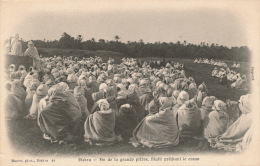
[[237, 81], [68, 60], [210, 62], [231, 74], [131, 62], [236, 65], [167, 120], [218, 72], [238, 136], [240, 83], [163, 126], [151, 111], [216, 126]]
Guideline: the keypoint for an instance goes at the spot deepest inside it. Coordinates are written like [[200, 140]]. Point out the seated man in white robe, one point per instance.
[[235, 64]]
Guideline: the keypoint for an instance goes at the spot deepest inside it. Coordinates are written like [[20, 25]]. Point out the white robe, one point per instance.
[[16, 47]]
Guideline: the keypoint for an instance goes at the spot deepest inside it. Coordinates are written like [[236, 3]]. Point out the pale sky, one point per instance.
[[151, 22]]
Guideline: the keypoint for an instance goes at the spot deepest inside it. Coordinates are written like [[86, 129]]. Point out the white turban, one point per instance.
[[219, 105], [183, 96], [103, 104], [64, 86], [102, 87]]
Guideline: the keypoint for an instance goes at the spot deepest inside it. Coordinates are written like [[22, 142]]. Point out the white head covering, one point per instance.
[[82, 83], [158, 83], [92, 79], [219, 106], [102, 87], [54, 70], [130, 80], [244, 103], [63, 86], [176, 93], [133, 87], [30, 43], [121, 86], [103, 104], [82, 77], [165, 102], [208, 101], [70, 71], [117, 79], [183, 96], [78, 91]]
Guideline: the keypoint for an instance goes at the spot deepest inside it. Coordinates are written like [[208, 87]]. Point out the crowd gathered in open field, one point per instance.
[[151, 103]]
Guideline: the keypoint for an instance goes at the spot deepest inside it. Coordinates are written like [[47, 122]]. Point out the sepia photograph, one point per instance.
[[129, 82]]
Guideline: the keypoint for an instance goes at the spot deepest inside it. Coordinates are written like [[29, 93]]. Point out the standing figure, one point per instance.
[[7, 46], [16, 46], [33, 53]]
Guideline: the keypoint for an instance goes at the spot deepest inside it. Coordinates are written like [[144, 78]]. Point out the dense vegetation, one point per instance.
[[141, 49]]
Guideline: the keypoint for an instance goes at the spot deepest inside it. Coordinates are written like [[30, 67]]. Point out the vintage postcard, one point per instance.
[[129, 82]]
